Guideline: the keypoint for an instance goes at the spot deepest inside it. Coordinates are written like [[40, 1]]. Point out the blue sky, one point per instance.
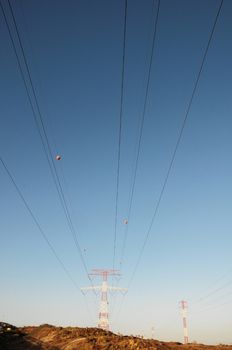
[[74, 50]]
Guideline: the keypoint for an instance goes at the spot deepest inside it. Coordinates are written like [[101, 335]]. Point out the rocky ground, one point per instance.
[[46, 337]]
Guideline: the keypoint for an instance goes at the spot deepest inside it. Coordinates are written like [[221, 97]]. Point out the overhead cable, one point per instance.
[[37, 223], [41, 231], [140, 133], [177, 144], [175, 150], [120, 132], [39, 122]]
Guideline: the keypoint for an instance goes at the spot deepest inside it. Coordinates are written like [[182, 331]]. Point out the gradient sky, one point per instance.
[[74, 50]]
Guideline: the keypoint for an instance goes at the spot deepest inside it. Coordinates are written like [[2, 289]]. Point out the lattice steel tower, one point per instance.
[[103, 289], [183, 306]]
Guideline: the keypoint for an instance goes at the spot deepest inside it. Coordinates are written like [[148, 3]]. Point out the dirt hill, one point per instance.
[[46, 337], [12, 338]]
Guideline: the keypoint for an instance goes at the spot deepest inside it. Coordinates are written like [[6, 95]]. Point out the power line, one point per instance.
[[141, 131], [209, 289], [43, 135], [37, 223], [175, 150], [42, 124], [44, 236], [218, 298], [120, 131], [177, 144], [213, 292], [228, 302], [140, 139], [213, 305], [154, 35]]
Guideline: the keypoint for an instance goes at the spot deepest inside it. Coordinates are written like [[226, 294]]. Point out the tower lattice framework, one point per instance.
[[104, 288], [183, 305]]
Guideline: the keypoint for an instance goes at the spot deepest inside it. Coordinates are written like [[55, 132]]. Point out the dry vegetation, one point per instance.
[[48, 337]]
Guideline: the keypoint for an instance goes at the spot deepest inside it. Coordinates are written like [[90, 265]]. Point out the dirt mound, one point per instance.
[[72, 338], [47, 337], [12, 338]]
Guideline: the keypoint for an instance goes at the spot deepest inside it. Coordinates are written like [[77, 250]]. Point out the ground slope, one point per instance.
[[12, 338], [46, 337]]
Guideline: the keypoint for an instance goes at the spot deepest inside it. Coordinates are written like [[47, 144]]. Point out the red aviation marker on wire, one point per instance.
[[58, 157]]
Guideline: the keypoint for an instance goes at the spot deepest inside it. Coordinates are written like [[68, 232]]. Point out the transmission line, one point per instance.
[[203, 298], [228, 302], [43, 135], [154, 35], [37, 223], [41, 231], [175, 149], [209, 289], [177, 144], [120, 131], [140, 132]]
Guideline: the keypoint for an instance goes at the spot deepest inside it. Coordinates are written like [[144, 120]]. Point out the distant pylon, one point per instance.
[[103, 289], [152, 332], [183, 306]]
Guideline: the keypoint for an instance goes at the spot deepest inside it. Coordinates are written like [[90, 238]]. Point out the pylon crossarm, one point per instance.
[[86, 289], [117, 289]]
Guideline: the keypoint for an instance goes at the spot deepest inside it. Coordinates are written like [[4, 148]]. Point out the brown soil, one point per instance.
[[46, 337]]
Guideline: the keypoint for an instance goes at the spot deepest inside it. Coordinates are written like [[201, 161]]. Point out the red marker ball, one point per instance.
[[58, 157]]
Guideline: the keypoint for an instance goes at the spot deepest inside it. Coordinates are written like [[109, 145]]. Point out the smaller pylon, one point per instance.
[[183, 305], [152, 332]]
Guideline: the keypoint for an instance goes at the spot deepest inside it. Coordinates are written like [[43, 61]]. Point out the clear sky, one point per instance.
[[74, 51]]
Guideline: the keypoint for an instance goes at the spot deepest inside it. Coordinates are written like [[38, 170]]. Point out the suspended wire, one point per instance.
[[42, 123], [213, 292], [154, 35], [44, 236], [139, 142], [37, 223], [207, 306], [196, 300], [43, 136], [175, 151], [140, 133], [177, 145], [120, 132], [214, 300], [228, 302]]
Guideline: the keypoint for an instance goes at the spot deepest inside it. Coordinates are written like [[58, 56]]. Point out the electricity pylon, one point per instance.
[[183, 306], [152, 332], [103, 289]]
